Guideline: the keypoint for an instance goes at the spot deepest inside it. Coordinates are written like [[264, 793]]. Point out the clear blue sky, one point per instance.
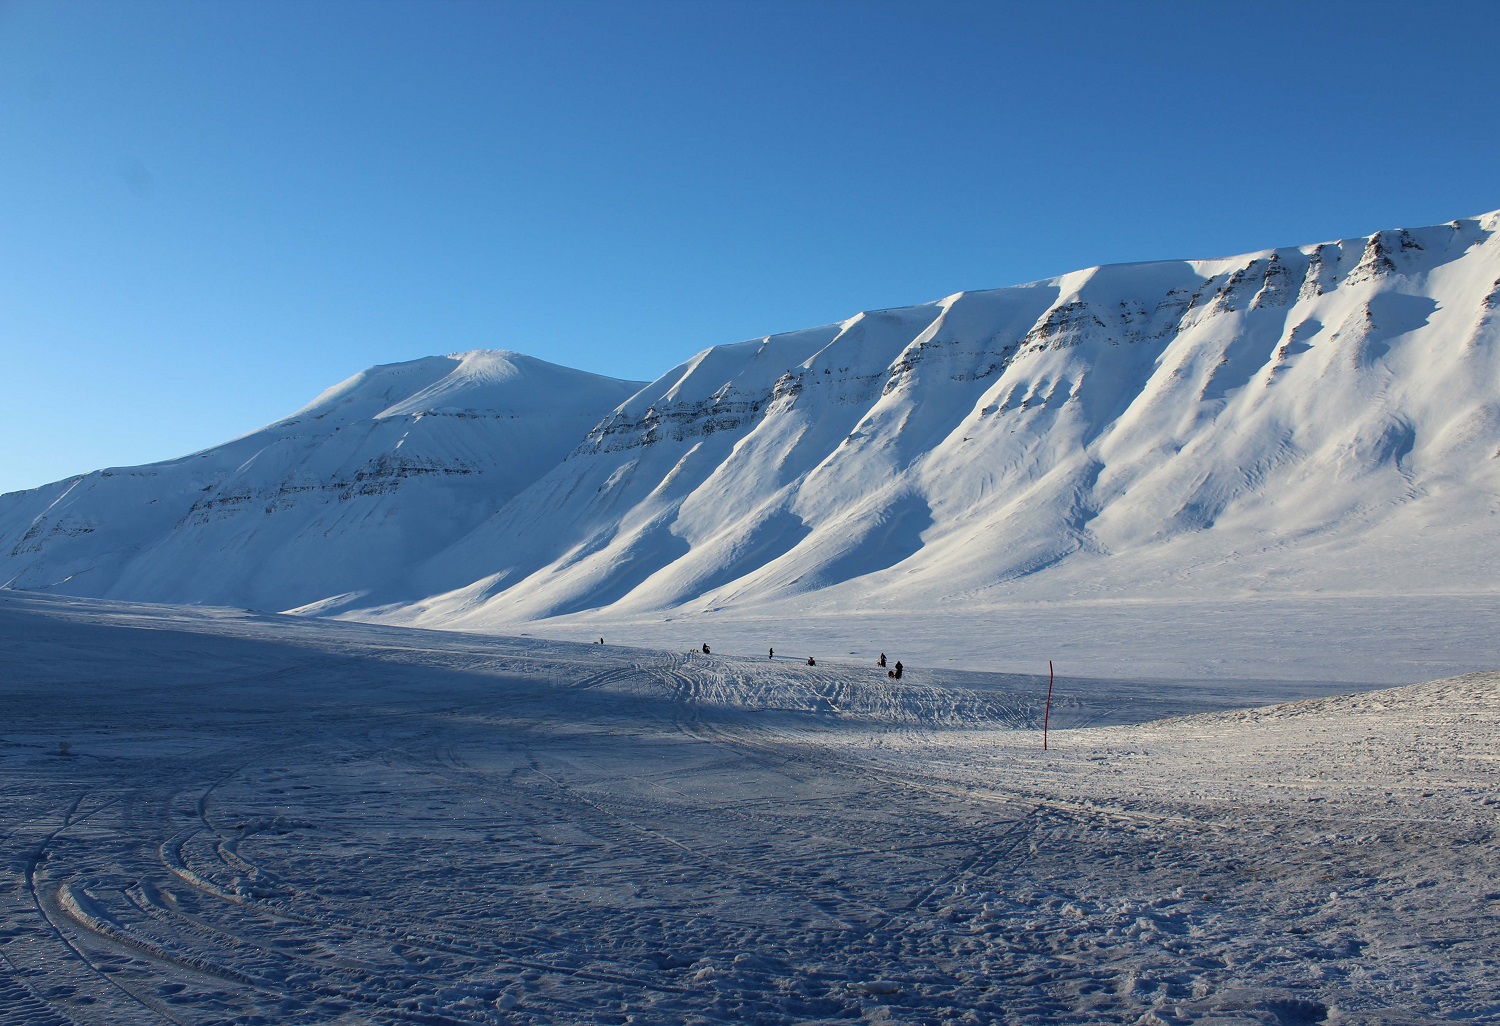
[[210, 211]]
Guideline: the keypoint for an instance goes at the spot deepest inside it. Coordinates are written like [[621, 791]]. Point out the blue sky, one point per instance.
[[210, 211]]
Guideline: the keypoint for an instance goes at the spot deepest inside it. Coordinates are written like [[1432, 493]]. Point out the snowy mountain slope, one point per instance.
[[1322, 418], [340, 497]]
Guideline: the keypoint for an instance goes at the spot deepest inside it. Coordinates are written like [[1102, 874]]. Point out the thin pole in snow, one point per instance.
[[1048, 714]]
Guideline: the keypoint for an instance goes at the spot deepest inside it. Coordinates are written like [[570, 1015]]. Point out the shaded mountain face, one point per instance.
[[1324, 418]]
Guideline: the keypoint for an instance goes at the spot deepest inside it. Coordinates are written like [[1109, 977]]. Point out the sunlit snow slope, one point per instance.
[[1323, 418], [1318, 419], [341, 498]]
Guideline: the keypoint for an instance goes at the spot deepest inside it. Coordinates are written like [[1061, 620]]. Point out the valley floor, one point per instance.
[[1399, 638], [211, 816]]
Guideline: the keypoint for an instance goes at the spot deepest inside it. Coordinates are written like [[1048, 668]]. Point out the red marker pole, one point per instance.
[[1048, 714]]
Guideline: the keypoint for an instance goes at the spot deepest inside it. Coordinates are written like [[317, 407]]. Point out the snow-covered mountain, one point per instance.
[[1323, 418], [342, 498]]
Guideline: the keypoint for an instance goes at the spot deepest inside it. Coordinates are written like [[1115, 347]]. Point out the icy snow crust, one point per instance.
[[1317, 428], [217, 816]]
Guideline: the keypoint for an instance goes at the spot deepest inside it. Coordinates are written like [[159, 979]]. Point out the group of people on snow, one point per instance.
[[771, 654], [894, 673]]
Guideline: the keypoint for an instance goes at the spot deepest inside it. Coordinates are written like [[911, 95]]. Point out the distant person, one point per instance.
[[811, 661], [601, 641], [898, 669], [705, 649], [772, 655], [881, 662]]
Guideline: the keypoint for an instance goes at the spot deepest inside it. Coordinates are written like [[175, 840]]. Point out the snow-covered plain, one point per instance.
[[215, 816]]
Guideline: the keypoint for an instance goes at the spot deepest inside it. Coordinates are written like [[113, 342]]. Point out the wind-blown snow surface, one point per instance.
[[1302, 424], [213, 816]]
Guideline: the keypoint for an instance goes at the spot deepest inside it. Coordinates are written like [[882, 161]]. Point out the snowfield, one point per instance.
[[215, 816]]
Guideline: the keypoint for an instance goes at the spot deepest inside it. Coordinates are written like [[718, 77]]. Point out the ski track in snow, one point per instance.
[[260, 819]]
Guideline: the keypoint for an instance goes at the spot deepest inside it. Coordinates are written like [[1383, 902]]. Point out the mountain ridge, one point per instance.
[[391, 430], [1315, 418]]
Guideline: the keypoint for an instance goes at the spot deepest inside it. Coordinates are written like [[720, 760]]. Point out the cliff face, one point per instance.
[[1315, 418]]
